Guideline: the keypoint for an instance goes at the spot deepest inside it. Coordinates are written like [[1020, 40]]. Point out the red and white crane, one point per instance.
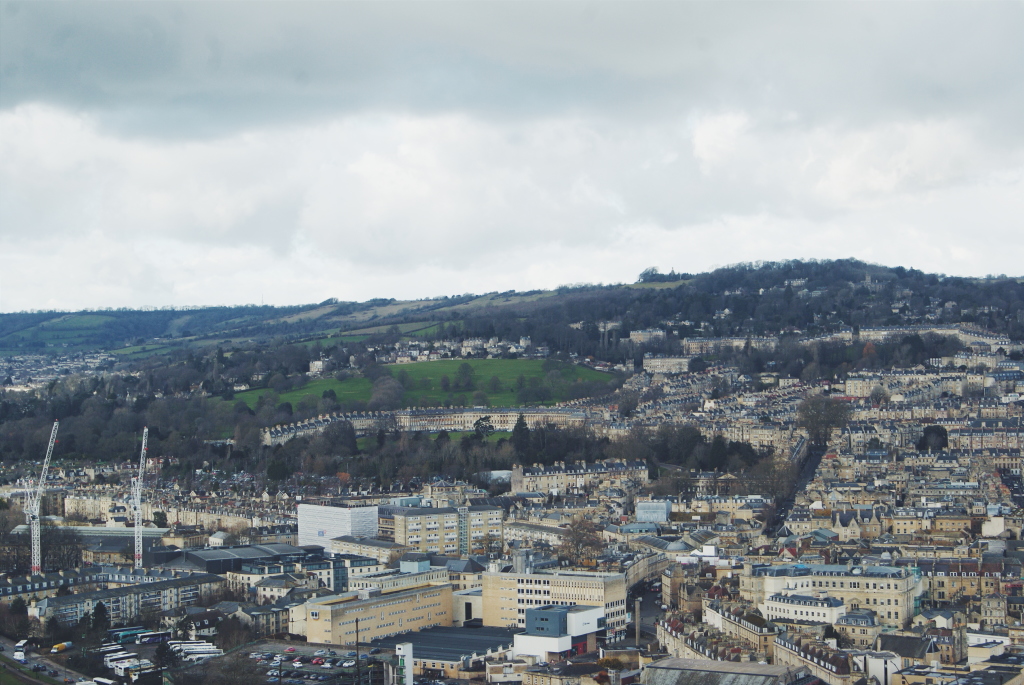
[[137, 498], [32, 502]]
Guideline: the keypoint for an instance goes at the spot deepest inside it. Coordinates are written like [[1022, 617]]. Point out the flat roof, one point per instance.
[[452, 644], [370, 542], [720, 666], [562, 609]]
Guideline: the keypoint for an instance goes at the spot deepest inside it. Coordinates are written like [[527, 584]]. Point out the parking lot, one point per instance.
[[302, 664]]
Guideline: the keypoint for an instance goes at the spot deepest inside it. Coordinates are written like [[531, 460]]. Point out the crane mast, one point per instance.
[[33, 502], [137, 498]]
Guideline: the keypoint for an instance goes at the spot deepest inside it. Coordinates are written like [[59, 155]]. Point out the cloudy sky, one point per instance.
[[231, 152]]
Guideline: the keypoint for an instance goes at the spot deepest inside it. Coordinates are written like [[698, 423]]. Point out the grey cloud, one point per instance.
[[358, 149], [210, 64]]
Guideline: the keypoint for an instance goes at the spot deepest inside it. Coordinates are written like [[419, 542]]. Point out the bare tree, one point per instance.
[[61, 547], [773, 478], [580, 541], [820, 415]]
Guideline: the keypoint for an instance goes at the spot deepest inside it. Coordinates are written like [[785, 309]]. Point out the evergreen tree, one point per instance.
[[165, 656], [54, 630], [521, 436], [18, 607], [100, 617]]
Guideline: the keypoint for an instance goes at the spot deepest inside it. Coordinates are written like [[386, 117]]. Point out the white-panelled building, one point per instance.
[[318, 524]]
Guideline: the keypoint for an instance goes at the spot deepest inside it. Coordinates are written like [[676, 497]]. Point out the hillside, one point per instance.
[[496, 382], [810, 297]]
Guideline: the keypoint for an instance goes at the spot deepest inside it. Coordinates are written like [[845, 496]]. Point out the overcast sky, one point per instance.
[[218, 153]]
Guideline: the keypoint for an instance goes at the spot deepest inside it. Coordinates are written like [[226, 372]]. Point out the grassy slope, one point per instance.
[[507, 371], [427, 378], [350, 390], [70, 329]]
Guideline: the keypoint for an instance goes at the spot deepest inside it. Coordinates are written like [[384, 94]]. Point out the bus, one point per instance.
[[176, 647], [112, 631], [107, 649], [108, 659], [192, 651], [124, 668], [136, 673], [152, 638], [178, 643], [22, 646], [128, 635], [196, 649], [202, 656], [104, 681], [118, 664]]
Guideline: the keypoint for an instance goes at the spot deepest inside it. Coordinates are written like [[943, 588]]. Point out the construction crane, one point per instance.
[[137, 498], [33, 501]]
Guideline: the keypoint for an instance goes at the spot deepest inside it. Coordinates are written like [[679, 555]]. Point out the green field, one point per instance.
[[425, 378], [72, 330], [351, 390], [423, 381], [140, 351]]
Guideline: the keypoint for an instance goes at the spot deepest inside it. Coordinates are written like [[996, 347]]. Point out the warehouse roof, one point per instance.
[[451, 644]]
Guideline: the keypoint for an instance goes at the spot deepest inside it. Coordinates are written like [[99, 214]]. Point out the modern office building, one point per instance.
[[555, 632], [449, 530], [318, 524], [508, 596], [332, 620]]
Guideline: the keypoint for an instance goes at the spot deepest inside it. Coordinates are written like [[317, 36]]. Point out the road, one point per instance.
[[650, 612], [806, 475], [44, 659]]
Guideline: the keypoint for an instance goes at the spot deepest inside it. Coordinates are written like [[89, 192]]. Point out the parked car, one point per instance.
[[349, 664], [350, 654], [289, 649], [320, 652], [375, 650]]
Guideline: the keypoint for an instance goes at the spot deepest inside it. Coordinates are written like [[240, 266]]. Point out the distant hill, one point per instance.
[[747, 299]]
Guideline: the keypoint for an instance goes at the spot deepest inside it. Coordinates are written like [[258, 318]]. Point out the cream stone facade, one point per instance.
[[887, 590], [449, 530], [506, 596], [562, 477], [331, 620], [382, 550]]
